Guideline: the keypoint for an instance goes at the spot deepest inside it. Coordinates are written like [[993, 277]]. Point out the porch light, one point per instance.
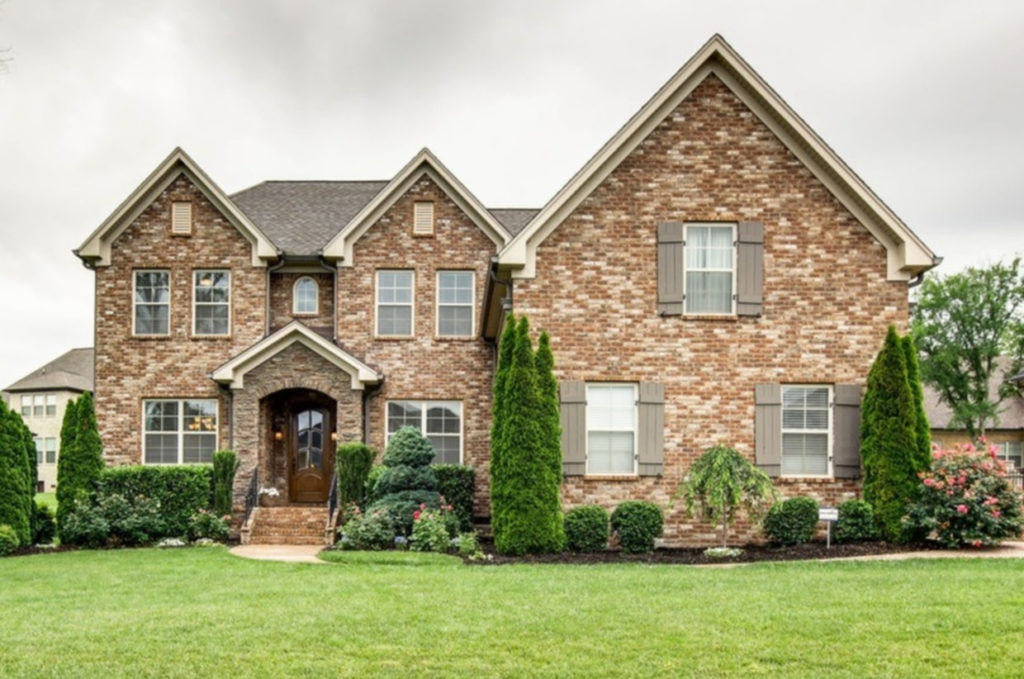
[[334, 436], [278, 435]]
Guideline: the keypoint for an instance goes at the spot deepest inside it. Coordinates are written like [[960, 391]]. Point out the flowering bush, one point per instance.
[[368, 531], [966, 499], [204, 524], [432, 529]]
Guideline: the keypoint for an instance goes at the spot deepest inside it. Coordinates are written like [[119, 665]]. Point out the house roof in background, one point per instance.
[[1011, 410], [72, 371]]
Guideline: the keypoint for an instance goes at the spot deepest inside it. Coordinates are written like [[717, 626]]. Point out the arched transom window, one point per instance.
[[304, 296]]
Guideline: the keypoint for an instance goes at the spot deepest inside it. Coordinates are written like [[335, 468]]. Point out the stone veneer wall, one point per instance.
[[281, 297], [826, 298]]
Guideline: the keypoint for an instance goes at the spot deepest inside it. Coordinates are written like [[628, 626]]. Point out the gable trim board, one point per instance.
[[95, 250], [340, 247], [908, 256]]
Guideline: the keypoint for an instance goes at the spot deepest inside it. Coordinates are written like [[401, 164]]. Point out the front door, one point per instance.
[[310, 457]]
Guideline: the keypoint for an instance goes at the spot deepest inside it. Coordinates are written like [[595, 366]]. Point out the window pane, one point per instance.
[[161, 448], [708, 292], [403, 414], [610, 452], [446, 449], [805, 454], [161, 415], [39, 449], [26, 406], [212, 319], [200, 416], [152, 287], [151, 319], [305, 296], [394, 320], [198, 448], [455, 287], [50, 445], [443, 418], [455, 321], [611, 407]]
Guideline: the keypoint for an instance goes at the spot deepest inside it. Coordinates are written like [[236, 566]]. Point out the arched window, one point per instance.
[[304, 296]]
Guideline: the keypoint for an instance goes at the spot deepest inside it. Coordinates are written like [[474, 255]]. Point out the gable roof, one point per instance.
[[232, 373], [340, 247], [1011, 410], [908, 256], [72, 371], [96, 248]]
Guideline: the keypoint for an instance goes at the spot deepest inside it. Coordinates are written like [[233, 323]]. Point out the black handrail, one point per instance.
[[332, 498], [252, 495]]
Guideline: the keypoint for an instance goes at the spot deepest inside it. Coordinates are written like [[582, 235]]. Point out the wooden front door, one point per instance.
[[310, 454]]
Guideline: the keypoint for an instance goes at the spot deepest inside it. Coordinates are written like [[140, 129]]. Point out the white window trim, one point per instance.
[[47, 442], [424, 404], [295, 297], [195, 303], [51, 401], [26, 401], [735, 252], [636, 424], [471, 305], [829, 433], [376, 304], [181, 428], [1004, 452], [170, 296]]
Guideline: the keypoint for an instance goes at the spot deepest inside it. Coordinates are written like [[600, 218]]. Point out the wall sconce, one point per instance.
[[334, 437], [278, 435]]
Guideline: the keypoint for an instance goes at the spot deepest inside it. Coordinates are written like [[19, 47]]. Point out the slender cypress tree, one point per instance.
[[506, 349], [551, 438], [889, 438], [15, 496], [66, 461], [81, 463], [922, 430]]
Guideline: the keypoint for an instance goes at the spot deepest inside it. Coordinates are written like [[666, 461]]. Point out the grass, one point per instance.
[[48, 499], [203, 612]]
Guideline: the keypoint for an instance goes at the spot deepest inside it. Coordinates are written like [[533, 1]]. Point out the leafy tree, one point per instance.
[[922, 430], [16, 490], [81, 461], [889, 437], [961, 324], [720, 483]]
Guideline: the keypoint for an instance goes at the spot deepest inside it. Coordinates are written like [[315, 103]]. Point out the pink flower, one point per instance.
[[996, 513], [929, 482], [416, 515], [961, 509], [976, 543]]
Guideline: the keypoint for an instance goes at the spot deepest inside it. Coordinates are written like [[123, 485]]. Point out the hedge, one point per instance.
[[457, 483], [181, 490]]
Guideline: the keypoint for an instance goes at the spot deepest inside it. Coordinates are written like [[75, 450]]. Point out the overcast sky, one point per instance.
[[923, 100]]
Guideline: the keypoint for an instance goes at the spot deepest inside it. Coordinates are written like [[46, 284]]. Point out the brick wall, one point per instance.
[[281, 296]]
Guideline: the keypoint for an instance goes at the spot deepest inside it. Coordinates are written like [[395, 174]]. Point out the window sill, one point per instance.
[[305, 314], [394, 338], [611, 477], [455, 338], [721, 318], [806, 479], [152, 337], [202, 338]]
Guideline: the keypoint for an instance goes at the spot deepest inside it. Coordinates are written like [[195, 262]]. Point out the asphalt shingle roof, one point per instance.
[[72, 371], [1011, 410]]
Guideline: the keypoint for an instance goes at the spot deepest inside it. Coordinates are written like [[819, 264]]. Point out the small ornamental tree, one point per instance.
[[16, 496], [81, 462], [720, 483], [922, 430]]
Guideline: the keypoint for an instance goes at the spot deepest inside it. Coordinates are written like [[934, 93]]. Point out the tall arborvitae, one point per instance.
[[80, 465], [551, 437], [15, 496], [66, 461], [889, 438], [506, 349], [922, 430]]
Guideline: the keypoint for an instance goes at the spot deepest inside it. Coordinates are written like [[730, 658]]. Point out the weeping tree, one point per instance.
[[721, 483]]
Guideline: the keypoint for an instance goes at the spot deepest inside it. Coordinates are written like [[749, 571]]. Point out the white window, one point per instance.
[[39, 449], [710, 279], [50, 449], [211, 302], [806, 430], [38, 405], [439, 421], [179, 431], [423, 218], [152, 301], [394, 303], [26, 405], [305, 296], [51, 405], [455, 303], [1012, 452], [611, 428]]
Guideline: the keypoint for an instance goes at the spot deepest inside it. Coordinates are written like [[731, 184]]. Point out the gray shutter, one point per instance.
[[768, 428], [651, 429], [670, 268], [846, 443], [573, 396], [750, 269]]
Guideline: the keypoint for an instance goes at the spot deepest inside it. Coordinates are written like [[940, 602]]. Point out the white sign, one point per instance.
[[828, 514]]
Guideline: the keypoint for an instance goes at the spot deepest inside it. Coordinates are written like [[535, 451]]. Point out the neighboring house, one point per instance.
[[41, 397], [714, 274]]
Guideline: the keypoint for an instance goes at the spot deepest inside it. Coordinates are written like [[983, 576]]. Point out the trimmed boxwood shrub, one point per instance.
[[457, 483], [407, 481], [637, 523], [586, 528], [354, 463], [792, 521], [856, 522], [179, 491], [8, 540]]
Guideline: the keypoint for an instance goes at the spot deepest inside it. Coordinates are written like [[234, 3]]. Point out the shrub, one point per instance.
[[372, 530], [637, 523], [81, 456], [432, 529], [132, 520], [16, 493], [179, 491], [407, 481], [792, 521], [468, 546], [44, 526], [204, 524], [225, 464], [8, 540], [457, 484], [966, 499], [856, 522], [84, 526], [354, 463], [408, 447], [370, 489], [403, 477], [586, 528], [401, 507]]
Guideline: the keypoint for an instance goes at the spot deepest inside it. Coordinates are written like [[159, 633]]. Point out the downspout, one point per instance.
[[271, 270], [919, 278], [506, 302]]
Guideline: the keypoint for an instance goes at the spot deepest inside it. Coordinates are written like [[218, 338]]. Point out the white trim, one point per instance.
[[471, 304], [907, 254], [636, 424], [829, 433], [424, 163], [377, 303], [195, 303], [135, 273], [686, 269], [180, 431], [232, 373], [424, 405], [316, 297]]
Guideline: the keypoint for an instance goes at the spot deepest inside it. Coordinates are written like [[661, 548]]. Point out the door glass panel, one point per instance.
[[309, 424]]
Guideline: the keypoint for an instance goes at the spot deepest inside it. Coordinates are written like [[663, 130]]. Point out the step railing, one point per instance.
[[332, 511], [252, 501]]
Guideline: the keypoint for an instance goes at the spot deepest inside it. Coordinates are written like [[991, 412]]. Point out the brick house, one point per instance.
[[714, 273]]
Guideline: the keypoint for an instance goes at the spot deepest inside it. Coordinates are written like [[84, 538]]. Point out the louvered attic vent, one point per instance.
[[181, 219], [423, 219]]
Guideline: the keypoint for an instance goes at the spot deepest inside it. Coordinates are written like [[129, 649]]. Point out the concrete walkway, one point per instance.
[[289, 553]]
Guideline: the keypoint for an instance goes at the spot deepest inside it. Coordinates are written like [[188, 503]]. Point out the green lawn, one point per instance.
[[48, 499], [202, 612]]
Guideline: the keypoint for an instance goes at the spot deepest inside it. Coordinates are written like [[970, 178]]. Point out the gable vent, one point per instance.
[[423, 219], [181, 219]]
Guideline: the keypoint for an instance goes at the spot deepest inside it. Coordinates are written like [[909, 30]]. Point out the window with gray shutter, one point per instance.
[[651, 430], [573, 397], [846, 419], [670, 268], [768, 428], [750, 269]]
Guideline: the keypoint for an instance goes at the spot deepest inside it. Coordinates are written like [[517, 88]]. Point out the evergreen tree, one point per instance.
[[922, 430], [506, 348], [66, 460], [81, 463], [889, 437], [16, 495], [551, 435]]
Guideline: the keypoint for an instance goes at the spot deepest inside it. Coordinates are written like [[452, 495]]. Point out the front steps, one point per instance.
[[288, 525]]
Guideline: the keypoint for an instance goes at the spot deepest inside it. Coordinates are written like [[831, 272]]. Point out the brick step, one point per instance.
[[286, 523], [288, 540]]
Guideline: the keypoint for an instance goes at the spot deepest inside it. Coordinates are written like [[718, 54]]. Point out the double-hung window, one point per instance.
[[394, 303], [611, 428], [46, 450], [179, 431], [806, 430], [455, 303], [26, 405], [1012, 452], [51, 405], [211, 302], [710, 280], [439, 421], [152, 302]]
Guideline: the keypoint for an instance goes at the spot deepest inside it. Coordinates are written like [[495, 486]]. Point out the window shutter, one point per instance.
[[750, 269], [651, 429], [574, 427], [670, 268], [846, 420], [423, 219], [181, 219], [768, 428]]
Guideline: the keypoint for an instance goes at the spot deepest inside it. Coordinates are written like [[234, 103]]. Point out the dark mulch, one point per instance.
[[695, 556]]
